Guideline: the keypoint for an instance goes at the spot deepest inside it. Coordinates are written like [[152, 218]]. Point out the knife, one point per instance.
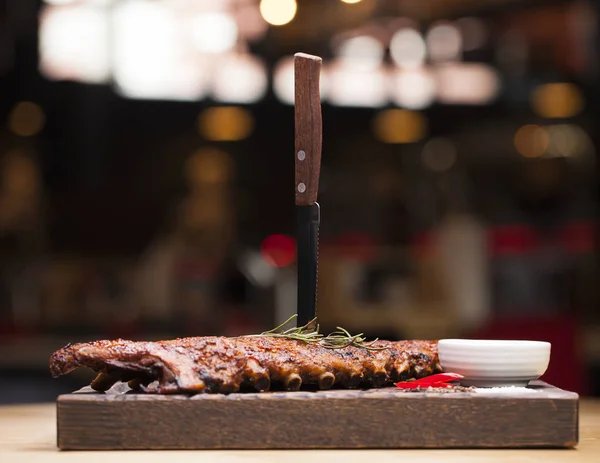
[[308, 140]]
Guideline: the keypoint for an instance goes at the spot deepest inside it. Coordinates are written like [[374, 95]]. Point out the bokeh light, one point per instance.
[[568, 140], [399, 126], [413, 88], [74, 43], [283, 80], [444, 42], [146, 61], [407, 48], [278, 250], [19, 175], [207, 167], [239, 78], [362, 52], [225, 123], [356, 88], [214, 32], [278, 12], [467, 83], [531, 141], [26, 119], [557, 100], [59, 2], [250, 23], [439, 154]]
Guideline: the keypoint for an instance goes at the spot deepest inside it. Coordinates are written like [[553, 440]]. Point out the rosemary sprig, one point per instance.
[[309, 333]]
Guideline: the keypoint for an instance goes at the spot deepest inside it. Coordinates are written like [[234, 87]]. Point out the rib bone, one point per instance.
[[258, 376], [292, 382], [104, 381], [326, 380]]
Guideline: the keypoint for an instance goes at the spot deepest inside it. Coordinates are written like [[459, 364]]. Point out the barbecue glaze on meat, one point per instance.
[[225, 365]]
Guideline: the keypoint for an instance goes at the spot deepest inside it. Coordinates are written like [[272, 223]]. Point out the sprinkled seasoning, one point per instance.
[[505, 390], [439, 390]]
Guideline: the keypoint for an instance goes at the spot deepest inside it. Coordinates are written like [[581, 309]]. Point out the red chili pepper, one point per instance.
[[439, 380]]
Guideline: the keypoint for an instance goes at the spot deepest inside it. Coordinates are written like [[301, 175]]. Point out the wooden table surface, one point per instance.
[[28, 434]]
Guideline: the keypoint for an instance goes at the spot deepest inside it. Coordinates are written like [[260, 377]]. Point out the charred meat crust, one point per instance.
[[225, 365]]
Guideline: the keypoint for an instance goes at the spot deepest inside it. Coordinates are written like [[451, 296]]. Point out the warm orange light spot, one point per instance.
[[557, 100], [26, 119], [531, 141], [208, 166], [278, 12], [225, 123], [399, 126]]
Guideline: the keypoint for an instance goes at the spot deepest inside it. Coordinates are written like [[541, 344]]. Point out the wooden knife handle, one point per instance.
[[308, 127]]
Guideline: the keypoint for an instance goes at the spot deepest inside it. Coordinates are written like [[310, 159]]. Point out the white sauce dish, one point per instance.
[[494, 363]]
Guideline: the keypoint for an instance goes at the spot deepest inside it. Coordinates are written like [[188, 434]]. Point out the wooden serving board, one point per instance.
[[376, 418]]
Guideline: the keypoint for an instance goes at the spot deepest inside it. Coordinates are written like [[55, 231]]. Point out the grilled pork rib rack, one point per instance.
[[261, 363]]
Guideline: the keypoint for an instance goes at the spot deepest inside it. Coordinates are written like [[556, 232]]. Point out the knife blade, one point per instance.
[[308, 141]]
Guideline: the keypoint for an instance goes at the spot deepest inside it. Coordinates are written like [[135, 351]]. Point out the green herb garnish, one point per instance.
[[309, 333]]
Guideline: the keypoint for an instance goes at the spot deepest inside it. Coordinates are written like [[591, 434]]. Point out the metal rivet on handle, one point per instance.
[[301, 155], [301, 187]]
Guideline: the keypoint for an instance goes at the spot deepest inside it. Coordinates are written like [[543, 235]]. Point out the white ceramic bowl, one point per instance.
[[491, 363]]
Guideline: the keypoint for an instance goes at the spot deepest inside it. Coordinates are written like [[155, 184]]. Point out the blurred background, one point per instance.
[[147, 173]]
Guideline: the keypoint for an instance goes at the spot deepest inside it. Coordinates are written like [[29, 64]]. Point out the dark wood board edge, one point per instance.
[[298, 421]]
